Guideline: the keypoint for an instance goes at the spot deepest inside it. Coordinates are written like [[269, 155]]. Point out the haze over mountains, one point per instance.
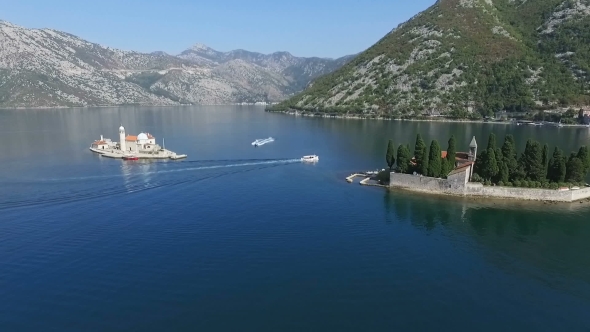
[[49, 68], [459, 57]]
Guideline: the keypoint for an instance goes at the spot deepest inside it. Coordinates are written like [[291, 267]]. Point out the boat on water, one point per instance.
[[130, 157], [262, 141], [310, 159]]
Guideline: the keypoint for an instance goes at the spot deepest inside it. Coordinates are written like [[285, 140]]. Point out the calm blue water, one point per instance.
[[237, 238]]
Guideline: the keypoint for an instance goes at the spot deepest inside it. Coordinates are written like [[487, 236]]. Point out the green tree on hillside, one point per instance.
[[556, 169], [403, 159], [390, 155], [419, 154], [434, 160]]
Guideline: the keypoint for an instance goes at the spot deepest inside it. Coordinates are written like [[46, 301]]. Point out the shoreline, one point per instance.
[[113, 106], [441, 119]]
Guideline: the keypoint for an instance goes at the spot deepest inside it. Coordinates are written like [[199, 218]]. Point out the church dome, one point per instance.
[[121, 128], [142, 136]]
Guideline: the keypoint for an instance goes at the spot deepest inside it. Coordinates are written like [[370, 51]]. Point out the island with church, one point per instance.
[[495, 172], [129, 147]]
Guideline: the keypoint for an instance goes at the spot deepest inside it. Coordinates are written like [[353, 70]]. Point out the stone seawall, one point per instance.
[[457, 185]]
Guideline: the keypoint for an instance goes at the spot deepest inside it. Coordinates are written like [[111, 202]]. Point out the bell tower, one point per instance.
[[472, 155], [473, 149], [122, 138]]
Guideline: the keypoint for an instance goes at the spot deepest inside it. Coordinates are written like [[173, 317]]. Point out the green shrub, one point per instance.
[[524, 183], [501, 184], [508, 184], [517, 183], [476, 178]]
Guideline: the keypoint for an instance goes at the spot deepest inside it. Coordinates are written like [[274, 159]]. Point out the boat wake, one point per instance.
[[134, 181]]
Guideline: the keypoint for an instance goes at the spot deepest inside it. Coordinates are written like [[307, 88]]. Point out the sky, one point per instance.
[[324, 28]]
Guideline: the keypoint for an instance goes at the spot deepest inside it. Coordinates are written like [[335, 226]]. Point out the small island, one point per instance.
[[498, 172], [130, 147]]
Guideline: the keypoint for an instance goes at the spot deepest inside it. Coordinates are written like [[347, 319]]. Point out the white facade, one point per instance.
[[122, 138]]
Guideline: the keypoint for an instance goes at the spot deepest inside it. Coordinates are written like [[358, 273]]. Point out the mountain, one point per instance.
[[49, 68], [298, 70], [466, 58]]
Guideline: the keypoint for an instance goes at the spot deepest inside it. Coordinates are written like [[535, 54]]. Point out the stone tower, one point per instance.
[[473, 149], [122, 138], [472, 155]]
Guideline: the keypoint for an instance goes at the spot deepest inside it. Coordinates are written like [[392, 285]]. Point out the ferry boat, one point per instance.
[[310, 159], [262, 141]]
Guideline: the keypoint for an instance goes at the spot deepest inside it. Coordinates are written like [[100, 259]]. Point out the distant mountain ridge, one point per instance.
[[466, 58], [50, 68]]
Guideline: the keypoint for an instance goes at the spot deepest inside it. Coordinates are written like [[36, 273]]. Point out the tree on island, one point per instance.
[[556, 169], [434, 160], [449, 161], [509, 156], [403, 159], [532, 161], [545, 160], [503, 174], [584, 157], [489, 163], [574, 169], [425, 161], [419, 154], [390, 155]]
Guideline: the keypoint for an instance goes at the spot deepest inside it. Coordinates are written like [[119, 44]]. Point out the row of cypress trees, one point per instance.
[[503, 166], [496, 165], [428, 161]]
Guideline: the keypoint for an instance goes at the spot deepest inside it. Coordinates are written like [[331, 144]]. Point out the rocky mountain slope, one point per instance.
[[49, 68], [466, 57]]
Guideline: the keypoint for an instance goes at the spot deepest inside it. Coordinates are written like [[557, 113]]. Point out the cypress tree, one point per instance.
[[574, 170], [510, 139], [504, 174], [556, 169], [403, 159], [509, 157], [451, 154], [434, 160], [532, 161], [419, 154], [444, 168], [489, 164], [424, 166], [545, 160], [584, 158], [390, 155]]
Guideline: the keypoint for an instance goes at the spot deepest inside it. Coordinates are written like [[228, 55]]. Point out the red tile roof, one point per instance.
[[131, 138]]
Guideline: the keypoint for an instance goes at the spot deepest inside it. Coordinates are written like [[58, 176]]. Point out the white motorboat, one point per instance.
[[310, 159]]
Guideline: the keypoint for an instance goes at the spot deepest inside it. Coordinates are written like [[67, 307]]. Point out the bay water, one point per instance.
[[239, 238]]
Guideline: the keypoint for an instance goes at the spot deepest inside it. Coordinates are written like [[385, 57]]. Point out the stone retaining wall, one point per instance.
[[457, 184]]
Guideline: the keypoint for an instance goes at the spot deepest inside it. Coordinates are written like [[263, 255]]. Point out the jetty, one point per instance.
[[142, 146]]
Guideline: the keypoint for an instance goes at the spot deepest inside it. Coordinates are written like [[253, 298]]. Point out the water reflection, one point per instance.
[[548, 237]]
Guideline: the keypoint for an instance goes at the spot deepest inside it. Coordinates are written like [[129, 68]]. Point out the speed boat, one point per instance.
[[262, 141], [310, 159]]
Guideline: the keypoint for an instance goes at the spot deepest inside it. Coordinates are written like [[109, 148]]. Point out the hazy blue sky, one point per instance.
[[327, 28]]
